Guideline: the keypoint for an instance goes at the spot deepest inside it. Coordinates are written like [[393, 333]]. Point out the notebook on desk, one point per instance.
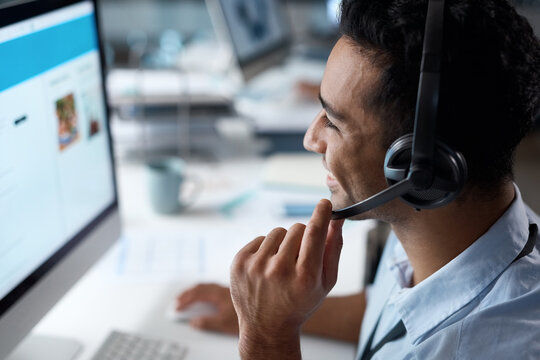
[[295, 171]]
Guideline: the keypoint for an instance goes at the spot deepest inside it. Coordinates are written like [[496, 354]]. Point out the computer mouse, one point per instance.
[[195, 310]]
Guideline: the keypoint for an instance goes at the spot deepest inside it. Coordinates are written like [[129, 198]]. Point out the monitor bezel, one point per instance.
[[14, 14]]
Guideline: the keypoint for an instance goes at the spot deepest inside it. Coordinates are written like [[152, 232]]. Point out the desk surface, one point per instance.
[[106, 300]]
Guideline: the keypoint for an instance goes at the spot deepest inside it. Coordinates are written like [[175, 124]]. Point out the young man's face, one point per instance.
[[345, 132]]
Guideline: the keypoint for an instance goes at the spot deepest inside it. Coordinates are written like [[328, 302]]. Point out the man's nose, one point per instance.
[[313, 137]]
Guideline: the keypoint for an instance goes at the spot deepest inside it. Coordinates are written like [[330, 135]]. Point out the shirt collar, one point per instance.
[[462, 279], [400, 267]]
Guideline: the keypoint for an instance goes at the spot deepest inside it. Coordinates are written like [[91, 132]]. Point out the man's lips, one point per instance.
[[330, 178], [331, 181]]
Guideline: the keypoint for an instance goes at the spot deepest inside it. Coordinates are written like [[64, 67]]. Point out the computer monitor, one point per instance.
[[257, 31], [58, 199]]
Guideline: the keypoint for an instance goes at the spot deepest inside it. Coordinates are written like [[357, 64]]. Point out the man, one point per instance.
[[457, 282]]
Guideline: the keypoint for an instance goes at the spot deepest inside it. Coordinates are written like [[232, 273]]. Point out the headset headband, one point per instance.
[[427, 101]]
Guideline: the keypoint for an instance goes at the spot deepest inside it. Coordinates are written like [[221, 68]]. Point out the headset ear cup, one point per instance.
[[450, 173]]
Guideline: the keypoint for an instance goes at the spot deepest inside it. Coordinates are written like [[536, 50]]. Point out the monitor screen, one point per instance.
[[56, 172], [255, 27]]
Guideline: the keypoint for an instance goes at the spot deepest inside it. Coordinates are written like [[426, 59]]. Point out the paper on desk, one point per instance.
[[154, 256]]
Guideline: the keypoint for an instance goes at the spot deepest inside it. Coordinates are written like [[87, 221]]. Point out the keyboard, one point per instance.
[[127, 346]]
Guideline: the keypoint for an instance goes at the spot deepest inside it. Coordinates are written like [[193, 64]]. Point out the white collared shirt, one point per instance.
[[481, 305]]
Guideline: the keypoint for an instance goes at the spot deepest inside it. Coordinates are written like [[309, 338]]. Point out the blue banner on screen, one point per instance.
[[45, 49]]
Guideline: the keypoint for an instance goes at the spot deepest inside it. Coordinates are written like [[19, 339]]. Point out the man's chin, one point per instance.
[[339, 203]]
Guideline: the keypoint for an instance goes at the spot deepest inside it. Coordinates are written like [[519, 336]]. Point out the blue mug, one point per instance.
[[166, 180]]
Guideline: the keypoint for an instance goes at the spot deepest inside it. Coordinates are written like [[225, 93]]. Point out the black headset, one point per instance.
[[424, 172]]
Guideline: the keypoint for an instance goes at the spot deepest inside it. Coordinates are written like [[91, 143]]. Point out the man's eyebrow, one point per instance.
[[330, 110]]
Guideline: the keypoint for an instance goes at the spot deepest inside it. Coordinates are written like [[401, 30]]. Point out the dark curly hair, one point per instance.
[[490, 77]]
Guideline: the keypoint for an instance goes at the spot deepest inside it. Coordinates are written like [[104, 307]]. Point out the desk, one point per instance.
[[103, 301]]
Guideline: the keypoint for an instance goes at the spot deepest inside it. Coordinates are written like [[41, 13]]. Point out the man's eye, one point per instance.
[[329, 124]]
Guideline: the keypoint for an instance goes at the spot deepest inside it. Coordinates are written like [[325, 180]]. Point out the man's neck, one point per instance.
[[432, 238]]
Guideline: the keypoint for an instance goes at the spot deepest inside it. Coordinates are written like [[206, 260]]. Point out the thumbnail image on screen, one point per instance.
[[66, 113], [93, 110]]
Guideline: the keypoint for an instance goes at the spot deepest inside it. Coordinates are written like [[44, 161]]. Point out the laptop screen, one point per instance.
[[256, 27], [56, 172]]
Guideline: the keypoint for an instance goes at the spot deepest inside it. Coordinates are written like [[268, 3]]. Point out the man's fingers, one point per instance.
[[313, 242], [291, 244], [190, 296], [334, 243], [253, 245], [202, 292], [212, 323], [273, 240]]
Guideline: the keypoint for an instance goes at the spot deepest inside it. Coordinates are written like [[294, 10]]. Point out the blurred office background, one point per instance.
[[124, 21], [182, 36], [176, 87]]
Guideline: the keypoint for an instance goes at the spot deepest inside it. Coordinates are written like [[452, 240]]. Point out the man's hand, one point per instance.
[[338, 317], [224, 321], [279, 280]]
